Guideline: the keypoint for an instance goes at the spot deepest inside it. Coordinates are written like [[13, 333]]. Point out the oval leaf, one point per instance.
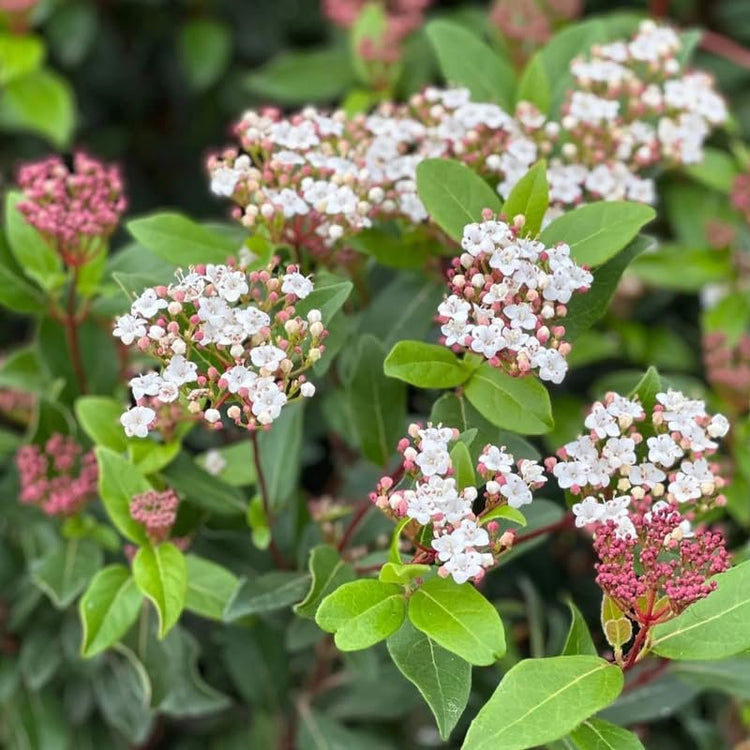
[[267, 593], [425, 365], [530, 198], [209, 587], [596, 734]]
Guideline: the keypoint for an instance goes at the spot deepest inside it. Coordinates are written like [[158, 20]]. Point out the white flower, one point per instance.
[[464, 566], [619, 452], [251, 320], [602, 423], [588, 511], [571, 474], [168, 392], [267, 357], [147, 384], [296, 284], [718, 426], [307, 390], [180, 371], [473, 535], [433, 461], [685, 488], [212, 416], [214, 463], [128, 328], [448, 545], [516, 491], [238, 377], [148, 304], [663, 450], [136, 420], [224, 180], [496, 459]]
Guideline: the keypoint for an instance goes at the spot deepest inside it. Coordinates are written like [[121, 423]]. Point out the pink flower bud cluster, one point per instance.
[[59, 478], [531, 22], [76, 210], [15, 404], [156, 512], [508, 295], [643, 480], [462, 544], [728, 368], [231, 342]]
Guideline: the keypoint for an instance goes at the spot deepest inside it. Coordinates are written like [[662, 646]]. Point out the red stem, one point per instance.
[[647, 675], [278, 558], [659, 8], [564, 523], [356, 519], [70, 323], [723, 46]]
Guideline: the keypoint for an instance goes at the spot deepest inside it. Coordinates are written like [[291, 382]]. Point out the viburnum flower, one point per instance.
[[508, 296], [156, 512], [462, 543], [643, 479], [59, 478], [75, 210], [230, 341]]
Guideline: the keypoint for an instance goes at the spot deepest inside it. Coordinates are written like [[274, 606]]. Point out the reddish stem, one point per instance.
[[356, 519], [564, 523], [70, 323], [723, 46], [647, 675], [278, 558], [659, 8]]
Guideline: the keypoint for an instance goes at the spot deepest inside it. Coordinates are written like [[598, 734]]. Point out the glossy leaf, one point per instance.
[[596, 734], [64, 572], [328, 572], [529, 198], [209, 587], [267, 593], [425, 365], [205, 48], [579, 639]]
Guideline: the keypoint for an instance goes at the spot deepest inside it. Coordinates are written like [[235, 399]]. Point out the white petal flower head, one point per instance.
[[214, 463], [239, 377], [718, 426], [168, 392], [136, 421], [435, 460], [147, 384], [663, 450], [128, 328], [588, 511], [267, 357], [252, 320], [180, 371], [148, 304], [496, 459], [515, 491], [448, 545], [464, 566], [296, 284]]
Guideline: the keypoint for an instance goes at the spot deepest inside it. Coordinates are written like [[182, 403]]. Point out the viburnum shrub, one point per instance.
[[270, 479]]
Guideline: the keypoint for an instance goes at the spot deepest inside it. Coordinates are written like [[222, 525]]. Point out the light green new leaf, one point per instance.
[[238, 469], [460, 619], [161, 574], [597, 734], [362, 613], [41, 102], [36, 258], [465, 60], [713, 628], [210, 586], [180, 240], [443, 679], [377, 403], [205, 46], [647, 388], [540, 700], [598, 231], [530, 198], [108, 609], [328, 572], [426, 365], [579, 639], [99, 417], [454, 195], [267, 593], [402, 573], [717, 170], [518, 404], [119, 481], [463, 466], [19, 55], [64, 572]]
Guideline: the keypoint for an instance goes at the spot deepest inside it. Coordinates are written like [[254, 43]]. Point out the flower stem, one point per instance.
[[359, 514], [278, 558], [70, 323]]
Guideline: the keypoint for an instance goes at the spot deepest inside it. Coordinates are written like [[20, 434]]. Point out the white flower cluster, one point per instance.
[[461, 543], [508, 295], [623, 458], [227, 338]]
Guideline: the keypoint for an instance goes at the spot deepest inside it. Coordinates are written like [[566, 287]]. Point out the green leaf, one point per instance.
[[19, 55], [99, 417], [712, 628], [304, 77], [319, 732], [652, 701], [362, 613], [518, 404], [393, 248], [180, 240], [119, 481], [402, 573], [276, 590], [426, 365], [530, 198], [731, 317], [454, 195], [149, 456], [534, 85], [540, 700], [205, 46], [579, 640], [585, 309], [280, 455], [648, 386], [328, 572], [458, 618], [41, 102], [443, 679], [328, 296], [467, 61], [598, 231], [19, 295], [39, 657], [377, 403], [506, 512], [463, 466], [731, 676], [161, 574], [681, 268], [32, 252], [596, 734], [209, 587], [717, 170], [108, 608], [64, 572], [238, 470]]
